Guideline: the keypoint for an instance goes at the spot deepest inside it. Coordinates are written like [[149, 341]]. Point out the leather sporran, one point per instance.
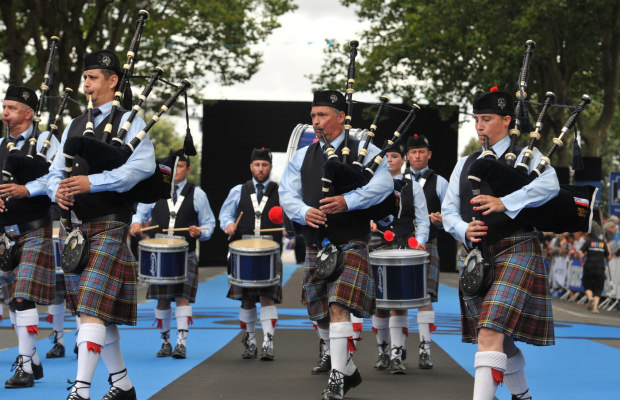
[[7, 258], [477, 275], [329, 263], [74, 255]]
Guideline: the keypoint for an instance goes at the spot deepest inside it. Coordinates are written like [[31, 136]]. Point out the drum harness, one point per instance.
[[174, 209]]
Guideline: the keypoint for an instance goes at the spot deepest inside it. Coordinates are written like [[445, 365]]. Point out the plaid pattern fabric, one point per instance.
[[107, 287], [376, 242], [353, 290], [187, 290], [253, 294], [35, 277], [432, 272], [518, 303], [7, 286]]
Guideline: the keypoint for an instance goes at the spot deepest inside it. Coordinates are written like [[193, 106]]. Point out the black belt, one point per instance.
[[32, 225], [120, 217]]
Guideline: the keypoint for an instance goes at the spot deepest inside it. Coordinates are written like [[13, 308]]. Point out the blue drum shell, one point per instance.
[[163, 261]]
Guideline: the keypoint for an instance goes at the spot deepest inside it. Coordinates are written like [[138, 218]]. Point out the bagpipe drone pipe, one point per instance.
[[569, 211]]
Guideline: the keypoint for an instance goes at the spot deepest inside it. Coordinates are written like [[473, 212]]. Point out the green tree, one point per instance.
[[472, 146], [444, 51], [196, 39]]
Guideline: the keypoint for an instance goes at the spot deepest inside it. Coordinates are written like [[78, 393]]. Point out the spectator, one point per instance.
[[596, 251]]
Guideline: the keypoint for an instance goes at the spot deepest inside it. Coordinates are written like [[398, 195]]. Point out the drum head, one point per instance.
[[163, 244], [398, 257], [250, 245]]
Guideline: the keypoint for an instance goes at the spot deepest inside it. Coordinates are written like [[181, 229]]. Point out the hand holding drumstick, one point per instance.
[[194, 231]]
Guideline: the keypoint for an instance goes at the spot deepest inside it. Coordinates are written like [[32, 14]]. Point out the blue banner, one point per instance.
[[614, 193]]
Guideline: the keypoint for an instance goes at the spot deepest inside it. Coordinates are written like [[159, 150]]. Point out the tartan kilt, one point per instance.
[[7, 286], [35, 277], [107, 287], [186, 290], [274, 292], [353, 290], [518, 303], [432, 272]]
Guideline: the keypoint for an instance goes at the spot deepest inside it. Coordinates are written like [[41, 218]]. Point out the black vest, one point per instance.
[[91, 205], [25, 209], [342, 227], [403, 224], [500, 225], [246, 223], [185, 217]]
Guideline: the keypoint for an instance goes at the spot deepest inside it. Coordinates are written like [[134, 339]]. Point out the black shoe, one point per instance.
[[179, 351], [335, 386], [118, 394], [249, 348], [398, 367], [323, 366], [403, 355], [351, 381], [75, 396], [165, 351], [425, 361], [21, 378], [58, 351], [37, 371], [520, 396], [383, 362], [267, 349]]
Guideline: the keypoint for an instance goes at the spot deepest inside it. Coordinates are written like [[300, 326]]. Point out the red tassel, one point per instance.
[[243, 325], [50, 318], [374, 330], [93, 347], [159, 323], [357, 327], [190, 321], [274, 322], [32, 329], [433, 327], [351, 344], [406, 331], [315, 327], [498, 376]]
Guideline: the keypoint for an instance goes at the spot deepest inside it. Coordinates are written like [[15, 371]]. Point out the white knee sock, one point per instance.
[[324, 335], [357, 323], [183, 315], [339, 334], [382, 330], [90, 340], [164, 317], [515, 378], [247, 319], [490, 367], [26, 336], [398, 326], [113, 358], [425, 319], [57, 311], [268, 319]]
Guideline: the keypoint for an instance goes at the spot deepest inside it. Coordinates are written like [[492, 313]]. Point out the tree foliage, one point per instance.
[[443, 51], [196, 39]]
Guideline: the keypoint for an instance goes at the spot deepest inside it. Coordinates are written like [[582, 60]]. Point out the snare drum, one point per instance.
[[400, 278], [303, 135], [253, 263], [162, 261], [57, 252]]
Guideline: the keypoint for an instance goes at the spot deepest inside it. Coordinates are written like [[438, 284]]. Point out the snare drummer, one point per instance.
[[517, 307], [435, 186], [188, 207], [255, 198], [34, 271], [330, 304], [412, 219]]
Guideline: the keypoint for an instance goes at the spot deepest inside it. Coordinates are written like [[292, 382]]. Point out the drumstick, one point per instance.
[[202, 228], [148, 228], [269, 230], [236, 224]]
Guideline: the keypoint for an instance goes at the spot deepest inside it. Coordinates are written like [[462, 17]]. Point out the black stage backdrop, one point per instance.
[[231, 129]]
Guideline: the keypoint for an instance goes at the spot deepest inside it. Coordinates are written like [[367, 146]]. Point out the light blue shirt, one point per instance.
[[37, 187], [201, 206], [375, 191], [139, 166], [536, 193], [229, 208], [440, 188]]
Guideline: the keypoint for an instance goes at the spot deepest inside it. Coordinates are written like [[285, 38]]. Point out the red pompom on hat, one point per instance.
[[493, 89], [388, 235], [276, 215], [412, 242]]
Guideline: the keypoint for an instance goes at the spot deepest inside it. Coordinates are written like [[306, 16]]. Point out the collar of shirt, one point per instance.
[[105, 111], [255, 182], [500, 147], [422, 171], [26, 135], [181, 185], [336, 142]]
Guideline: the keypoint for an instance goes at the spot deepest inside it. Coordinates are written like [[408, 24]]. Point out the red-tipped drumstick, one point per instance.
[[276, 216], [412, 242]]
